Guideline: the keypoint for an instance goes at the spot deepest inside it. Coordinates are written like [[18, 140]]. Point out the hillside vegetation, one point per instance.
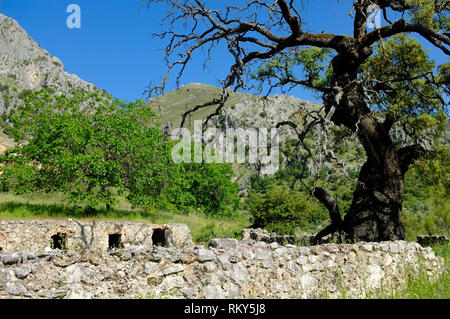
[[280, 202]]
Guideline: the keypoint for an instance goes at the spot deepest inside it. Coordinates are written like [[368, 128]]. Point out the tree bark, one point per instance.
[[375, 212], [336, 220]]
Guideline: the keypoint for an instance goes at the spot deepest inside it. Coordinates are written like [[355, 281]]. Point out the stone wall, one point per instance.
[[33, 235], [227, 269], [260, 234], [427, 240]]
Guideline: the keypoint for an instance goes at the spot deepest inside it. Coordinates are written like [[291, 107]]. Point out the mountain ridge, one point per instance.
[[24, 65]]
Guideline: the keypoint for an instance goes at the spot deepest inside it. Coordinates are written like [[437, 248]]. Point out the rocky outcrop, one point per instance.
[[244, 269], [5, 143], [24, 65]]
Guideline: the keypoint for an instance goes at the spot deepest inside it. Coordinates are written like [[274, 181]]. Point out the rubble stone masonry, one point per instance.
[[139, 268]]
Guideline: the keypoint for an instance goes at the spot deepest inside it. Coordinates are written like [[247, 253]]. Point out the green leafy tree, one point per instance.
[[97, 149], [212, 187], [205, 187], [91, 147]]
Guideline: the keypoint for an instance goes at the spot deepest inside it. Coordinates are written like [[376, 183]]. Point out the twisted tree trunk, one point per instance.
[[375, 212]]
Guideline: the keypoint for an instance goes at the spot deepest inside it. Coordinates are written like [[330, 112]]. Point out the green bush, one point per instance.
[[211, 186], [283, 210], [96, 149], [426, 203]]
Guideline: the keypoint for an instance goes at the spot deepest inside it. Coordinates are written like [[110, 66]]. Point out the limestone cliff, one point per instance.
[[24, 65]]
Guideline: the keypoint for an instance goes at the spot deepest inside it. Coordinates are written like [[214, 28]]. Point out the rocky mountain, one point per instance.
[[24, 65], [242, 110]]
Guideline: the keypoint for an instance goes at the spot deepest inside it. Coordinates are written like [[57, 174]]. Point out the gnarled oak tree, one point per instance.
[[371, 83]]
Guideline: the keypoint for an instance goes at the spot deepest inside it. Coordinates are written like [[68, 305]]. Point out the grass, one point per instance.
[[422, 287], [419, 285], [203, 228], [55, 206]]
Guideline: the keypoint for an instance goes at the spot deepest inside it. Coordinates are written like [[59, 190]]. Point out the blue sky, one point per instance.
[[115, 49]]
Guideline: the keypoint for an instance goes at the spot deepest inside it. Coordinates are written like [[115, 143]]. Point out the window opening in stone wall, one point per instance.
[[114, 241], [58, 241], [159, 237]]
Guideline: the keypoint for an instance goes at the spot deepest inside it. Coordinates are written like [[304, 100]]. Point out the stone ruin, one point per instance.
[[46, 235], [130, 260], [427, 240], [260, 234]]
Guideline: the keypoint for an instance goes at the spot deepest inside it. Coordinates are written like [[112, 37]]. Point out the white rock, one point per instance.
[[75, 273], [302, 260], [173, 281], [367, 247], [239, 274], [375, 276], [209, 266], [279, 252], [205, 255], [263, 254], [213, 292], [304, 251], [173, 269], [308, 282], [150, 268]]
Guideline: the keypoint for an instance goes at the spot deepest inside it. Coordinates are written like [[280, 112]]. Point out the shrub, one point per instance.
[[283, 210], [212, 187]]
